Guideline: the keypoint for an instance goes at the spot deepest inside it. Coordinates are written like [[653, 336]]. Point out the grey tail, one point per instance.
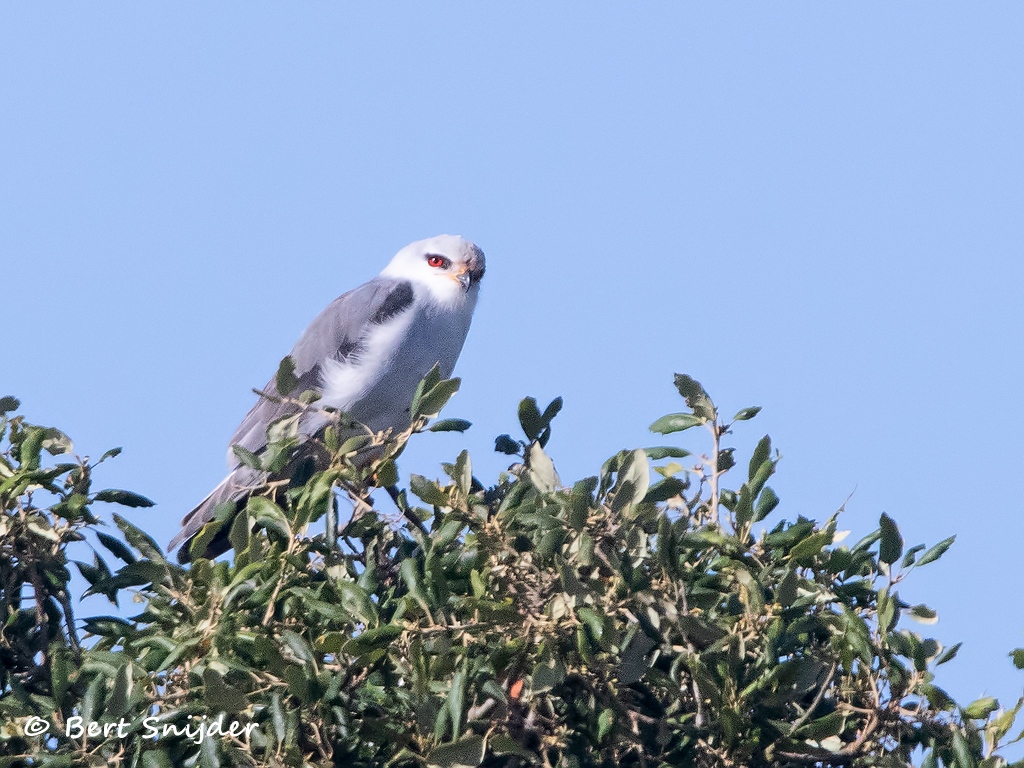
[[235, 489]]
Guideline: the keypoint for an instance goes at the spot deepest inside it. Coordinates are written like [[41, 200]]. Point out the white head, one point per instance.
[[449, 266]]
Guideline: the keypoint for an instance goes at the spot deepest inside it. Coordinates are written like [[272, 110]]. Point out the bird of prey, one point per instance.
[[364, 355]]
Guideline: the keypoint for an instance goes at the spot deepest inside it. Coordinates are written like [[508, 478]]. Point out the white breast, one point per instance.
[[377, 386]]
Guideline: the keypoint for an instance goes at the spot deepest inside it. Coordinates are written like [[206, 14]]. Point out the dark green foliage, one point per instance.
[[614, 622]]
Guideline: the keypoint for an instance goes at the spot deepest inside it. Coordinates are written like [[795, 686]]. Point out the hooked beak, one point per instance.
[[462, 278], [469, 275]]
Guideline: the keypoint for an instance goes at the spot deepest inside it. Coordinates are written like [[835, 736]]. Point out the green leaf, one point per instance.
[[56, 442], [999, 727], [266, 513], [923, 614], [43, 530], [696, 398], [476, 581], [132, 575], [530, 418], [806, 550], [468, 752], [93, 573], [208, 754], [140, 540], [936, 552], [505, 444], [937, 697], [154, 759], [428, 491], [286, 380], [547, 675], [356, 601], [867, 541], [666, 452], [949, 654], [386, 474], [247, 457], [676, 422], [93, 695], [747, 413], [760, 476], [592, 621], [981, 709], [891, 546], [47, 761], [551, 411], [379, 637], [911, 556], [298, 645], [353, 445], [427, 383], [823, 727], [1018, 657], [28, 451], [222, 513], [665, 489], [964, 758], [605, 721], [331, 439], [437, 397], [118, 702], [455, 701], [8, 404], [536, 425], [411, 576], [581, 499], [284, 431], [61, 668], [503, 744], [635, 470], [886, 612], [787, 590], [106, 626], [124, 498], [462, 473], [277, 716], [450, 425], [446, 534], [221, 696], [726, 459], [766, 503], [116, 547]]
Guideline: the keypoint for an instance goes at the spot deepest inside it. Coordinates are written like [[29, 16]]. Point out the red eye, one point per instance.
[[437, 261]]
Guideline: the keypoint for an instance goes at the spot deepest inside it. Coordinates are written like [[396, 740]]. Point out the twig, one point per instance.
[[716, 449], [817, 699], [404, 509], [69, 618], [277, 587]]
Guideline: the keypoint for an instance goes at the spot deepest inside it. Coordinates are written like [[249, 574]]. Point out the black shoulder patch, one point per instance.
[[349, 348], [396, 302]]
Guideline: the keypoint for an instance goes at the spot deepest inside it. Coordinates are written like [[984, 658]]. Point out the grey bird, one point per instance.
[[364, 355]]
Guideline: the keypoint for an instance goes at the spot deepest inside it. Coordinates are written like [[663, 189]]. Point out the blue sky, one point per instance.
[[815, 208]]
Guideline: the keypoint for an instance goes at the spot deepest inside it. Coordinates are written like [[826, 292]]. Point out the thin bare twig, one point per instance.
[[404, 509], [817, 699]]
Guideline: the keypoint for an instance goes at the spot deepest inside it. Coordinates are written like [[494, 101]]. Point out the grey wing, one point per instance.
[[336, 333]]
